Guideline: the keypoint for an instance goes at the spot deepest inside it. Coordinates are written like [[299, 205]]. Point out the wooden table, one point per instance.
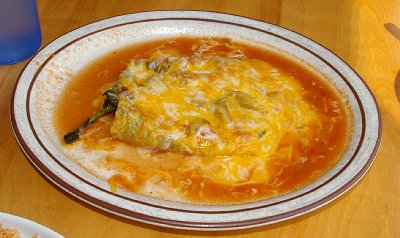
[[364, 33]]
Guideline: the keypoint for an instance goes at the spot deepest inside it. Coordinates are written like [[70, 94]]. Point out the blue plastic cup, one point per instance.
[[20, 35]]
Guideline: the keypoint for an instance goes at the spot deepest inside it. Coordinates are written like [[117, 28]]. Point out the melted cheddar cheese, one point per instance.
[[233, 109]]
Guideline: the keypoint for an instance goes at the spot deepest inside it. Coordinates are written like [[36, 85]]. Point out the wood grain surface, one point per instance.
[[363, 33]]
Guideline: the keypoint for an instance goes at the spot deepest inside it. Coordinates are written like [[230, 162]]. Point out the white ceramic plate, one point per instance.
[[27, 228], [47, 73]]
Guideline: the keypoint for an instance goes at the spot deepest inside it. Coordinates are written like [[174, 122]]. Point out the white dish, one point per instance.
[[27, 228], [46, 74]]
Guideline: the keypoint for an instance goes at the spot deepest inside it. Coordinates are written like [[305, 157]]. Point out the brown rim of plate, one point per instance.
[[176, 223]]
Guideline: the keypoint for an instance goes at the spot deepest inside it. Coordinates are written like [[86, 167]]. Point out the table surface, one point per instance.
[[365, 34]]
